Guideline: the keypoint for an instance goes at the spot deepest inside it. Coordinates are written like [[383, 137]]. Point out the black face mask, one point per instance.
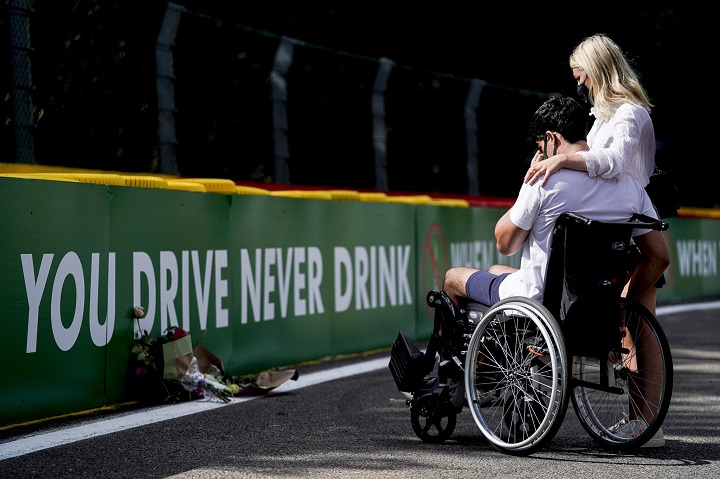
[[583, 91]]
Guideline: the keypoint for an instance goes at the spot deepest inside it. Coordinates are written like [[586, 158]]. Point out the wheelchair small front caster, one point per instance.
[[433, 418]]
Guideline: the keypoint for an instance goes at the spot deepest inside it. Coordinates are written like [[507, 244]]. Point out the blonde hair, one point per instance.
[[613, 79]]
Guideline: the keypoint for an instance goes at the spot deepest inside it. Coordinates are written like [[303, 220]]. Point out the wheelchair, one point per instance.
[[518, 364]]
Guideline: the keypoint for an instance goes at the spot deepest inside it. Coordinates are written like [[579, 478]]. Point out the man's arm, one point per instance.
[[510, 238]]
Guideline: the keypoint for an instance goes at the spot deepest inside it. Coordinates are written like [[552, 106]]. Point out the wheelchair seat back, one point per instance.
[[589, 263]]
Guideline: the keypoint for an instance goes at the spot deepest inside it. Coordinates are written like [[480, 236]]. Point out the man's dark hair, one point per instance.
[[562, 114]]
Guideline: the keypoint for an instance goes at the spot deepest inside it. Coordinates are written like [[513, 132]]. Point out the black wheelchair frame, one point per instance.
[[517, 364]]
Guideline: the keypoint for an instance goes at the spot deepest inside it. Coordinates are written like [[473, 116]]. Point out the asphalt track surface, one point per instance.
[[345, 418]]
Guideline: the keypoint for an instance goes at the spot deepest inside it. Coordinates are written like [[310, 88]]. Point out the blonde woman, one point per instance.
[[622, 137]]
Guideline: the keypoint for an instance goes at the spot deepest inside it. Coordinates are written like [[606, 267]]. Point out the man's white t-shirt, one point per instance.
[[537, 208]]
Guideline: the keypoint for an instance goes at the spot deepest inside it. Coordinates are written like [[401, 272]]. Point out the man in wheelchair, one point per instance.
[[559, 126], [515, 346]]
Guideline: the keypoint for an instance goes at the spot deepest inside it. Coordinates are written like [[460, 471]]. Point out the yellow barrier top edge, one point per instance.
[[186, 186], [699, 212], [305, 194]]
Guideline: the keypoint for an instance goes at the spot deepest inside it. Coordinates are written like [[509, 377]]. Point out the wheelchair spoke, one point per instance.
[[643, 376], [518, 347]]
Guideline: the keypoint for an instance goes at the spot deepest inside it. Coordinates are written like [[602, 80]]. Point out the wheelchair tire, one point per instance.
[[516, 376], [601, 412], [433, 418]]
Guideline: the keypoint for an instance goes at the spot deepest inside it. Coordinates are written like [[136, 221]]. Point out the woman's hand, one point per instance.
[[537, 158], [540, 168]]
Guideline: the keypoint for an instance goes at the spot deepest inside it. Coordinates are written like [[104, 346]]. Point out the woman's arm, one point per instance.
[[625, 144]]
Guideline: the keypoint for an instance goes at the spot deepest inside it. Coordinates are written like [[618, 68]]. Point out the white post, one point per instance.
[[378, 115], [283, 60], [471, 105], [165, 83]]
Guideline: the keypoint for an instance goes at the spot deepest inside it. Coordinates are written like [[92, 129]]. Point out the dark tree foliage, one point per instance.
[[93, 74]]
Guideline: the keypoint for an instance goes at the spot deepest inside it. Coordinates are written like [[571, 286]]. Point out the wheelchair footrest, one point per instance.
[[407, 364]]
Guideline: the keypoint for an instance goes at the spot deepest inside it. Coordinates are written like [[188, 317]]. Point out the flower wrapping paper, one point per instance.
[[177, 355]]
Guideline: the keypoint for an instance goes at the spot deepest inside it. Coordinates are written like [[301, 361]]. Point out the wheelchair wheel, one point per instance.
[[639, 386], [516, 376], [433, 418]]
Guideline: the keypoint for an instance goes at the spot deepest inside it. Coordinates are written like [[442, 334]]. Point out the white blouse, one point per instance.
[[624, 144]]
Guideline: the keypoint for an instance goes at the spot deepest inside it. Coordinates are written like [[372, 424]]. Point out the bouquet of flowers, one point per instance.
[[181, 368], [170, 358]]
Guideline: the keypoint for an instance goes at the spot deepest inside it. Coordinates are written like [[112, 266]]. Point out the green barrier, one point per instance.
[[55, 237], [264, 281], [450, 237], [341, 275], [693, 271], [261, 281]]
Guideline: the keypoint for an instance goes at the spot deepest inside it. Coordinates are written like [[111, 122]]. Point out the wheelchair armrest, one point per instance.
[[649, 223], [579, 219], [637, 220]]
